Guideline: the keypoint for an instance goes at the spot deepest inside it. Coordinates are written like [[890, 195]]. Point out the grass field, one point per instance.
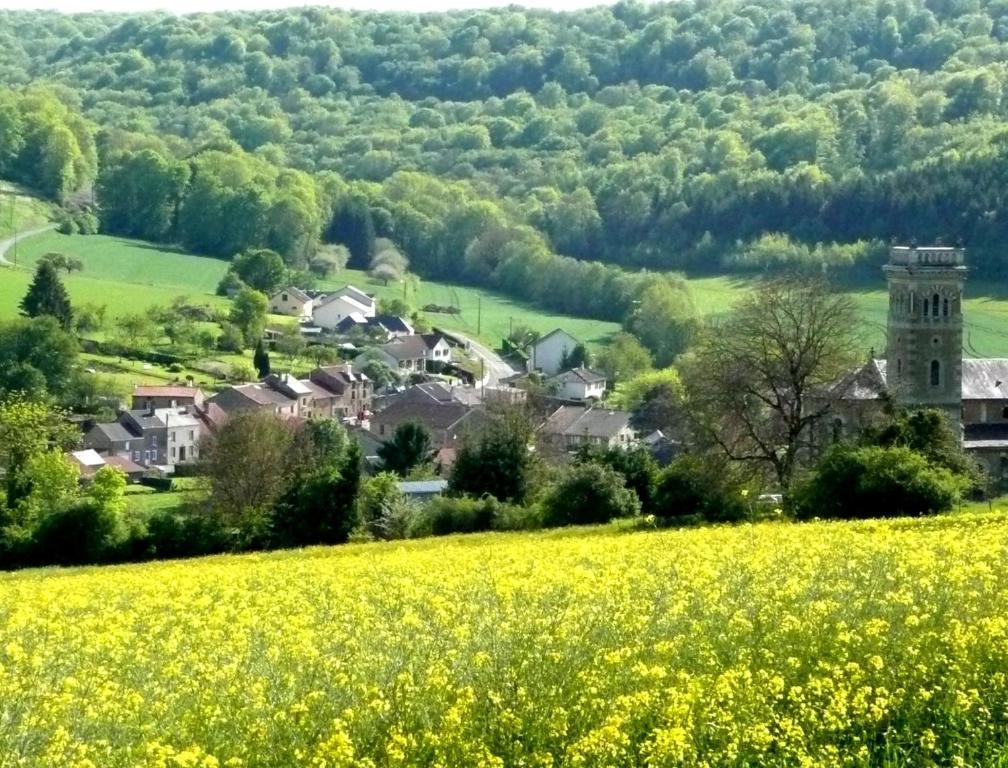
[[824, 644], [131, 276]]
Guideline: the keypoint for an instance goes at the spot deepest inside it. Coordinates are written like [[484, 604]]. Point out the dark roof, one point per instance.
[[145, 419], [115, 432], [391, 323], [127, 466], [433, 339]]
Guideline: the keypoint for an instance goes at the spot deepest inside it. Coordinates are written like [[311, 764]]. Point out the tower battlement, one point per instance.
[[930, 256]]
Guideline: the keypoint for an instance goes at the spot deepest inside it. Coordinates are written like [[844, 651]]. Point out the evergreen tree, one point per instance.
[[47, 296], [261, 361], [353, 226]]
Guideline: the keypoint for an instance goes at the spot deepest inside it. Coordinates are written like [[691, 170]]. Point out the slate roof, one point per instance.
[[985, 378], [356, 294], [116, 432], [982, 379], [145, 419], [589, 422], [433, 415], [583, 375], [866, 383], [406, 348]]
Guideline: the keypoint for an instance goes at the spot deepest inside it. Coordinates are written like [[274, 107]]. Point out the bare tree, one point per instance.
[[758, 382]]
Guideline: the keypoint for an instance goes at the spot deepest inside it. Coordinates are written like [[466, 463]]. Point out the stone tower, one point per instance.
[[925, 327]]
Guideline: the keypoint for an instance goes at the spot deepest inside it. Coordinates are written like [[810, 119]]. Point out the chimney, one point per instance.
[[190, 381]]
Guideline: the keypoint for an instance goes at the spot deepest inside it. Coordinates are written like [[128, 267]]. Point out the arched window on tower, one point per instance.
[[945, 308], [925, 307], [935, 373], [899, 367], [934, 305]]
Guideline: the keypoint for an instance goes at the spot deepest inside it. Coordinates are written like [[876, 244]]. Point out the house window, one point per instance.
[[381, 429], [935, 373], [283, 297], [173, 452], [174, 437], [1004, 412], [191, 435], [136, 455], [126, 447]]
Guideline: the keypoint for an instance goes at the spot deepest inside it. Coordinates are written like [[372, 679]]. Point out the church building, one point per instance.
[[924, 363]]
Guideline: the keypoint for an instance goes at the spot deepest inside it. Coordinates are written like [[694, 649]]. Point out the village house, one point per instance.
[[448, 423], [167, 396], [139, 434], [406, 355], [249, 397], [291, 301], [571, 426], [340, 392], [332, 308], [549, 354], [579, 384]]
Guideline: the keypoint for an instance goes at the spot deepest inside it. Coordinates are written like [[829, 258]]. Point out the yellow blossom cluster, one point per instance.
[[824, 644]]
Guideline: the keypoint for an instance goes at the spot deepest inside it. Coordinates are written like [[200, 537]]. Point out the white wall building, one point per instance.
[[291, 301], [549, 353]]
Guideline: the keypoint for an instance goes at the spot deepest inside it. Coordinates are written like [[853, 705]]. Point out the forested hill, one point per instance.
[[694, 135]]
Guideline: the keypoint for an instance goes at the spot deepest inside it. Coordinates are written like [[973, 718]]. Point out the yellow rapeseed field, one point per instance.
[[777, 644]]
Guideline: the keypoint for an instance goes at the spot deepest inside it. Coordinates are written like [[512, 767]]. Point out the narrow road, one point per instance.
[[5, 245], [495, 367]]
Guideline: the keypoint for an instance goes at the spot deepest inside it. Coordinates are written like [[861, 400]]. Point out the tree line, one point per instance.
[[666, 136]]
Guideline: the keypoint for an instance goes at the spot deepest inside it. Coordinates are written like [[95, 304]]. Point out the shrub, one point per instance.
[[84, 532], [444, 515], [701, 487], [872, 481], [513, 517], [87, 223], [171, 534], [589, 493]]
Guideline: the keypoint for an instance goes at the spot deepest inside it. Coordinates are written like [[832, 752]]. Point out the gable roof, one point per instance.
[[582, 375], [406, 348], [391, 323], [88, 458], [550, 335], [357, 294], [115, 432], [433, 339], [865, 383], [588, 422], [294, 292], [166, 391], [346, 298], [433, 415]]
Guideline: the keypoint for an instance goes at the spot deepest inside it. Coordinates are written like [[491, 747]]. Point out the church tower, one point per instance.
[[925, 327]]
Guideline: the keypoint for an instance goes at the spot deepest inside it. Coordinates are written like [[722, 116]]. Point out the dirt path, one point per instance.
[[5, 245]]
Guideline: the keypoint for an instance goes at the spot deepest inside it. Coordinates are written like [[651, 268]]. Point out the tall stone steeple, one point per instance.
[[925, 327]]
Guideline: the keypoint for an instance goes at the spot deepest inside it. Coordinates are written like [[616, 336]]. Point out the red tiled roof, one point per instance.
[[165, 391]]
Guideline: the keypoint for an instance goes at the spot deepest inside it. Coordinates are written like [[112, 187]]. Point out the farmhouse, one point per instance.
[[579, 384], [330, 309], [291, 301]]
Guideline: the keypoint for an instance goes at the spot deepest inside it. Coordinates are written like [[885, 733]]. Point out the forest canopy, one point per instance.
[[705, 137]]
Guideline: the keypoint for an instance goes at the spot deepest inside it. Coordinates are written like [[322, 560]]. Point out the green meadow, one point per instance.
[[131, 276]]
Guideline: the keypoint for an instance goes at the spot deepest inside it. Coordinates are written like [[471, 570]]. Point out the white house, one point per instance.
[[549, 353], [291, 301], [580, 384], [336, 307], [439, 350]]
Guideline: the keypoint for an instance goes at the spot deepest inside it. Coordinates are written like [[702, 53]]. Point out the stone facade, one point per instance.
[[925, 327]]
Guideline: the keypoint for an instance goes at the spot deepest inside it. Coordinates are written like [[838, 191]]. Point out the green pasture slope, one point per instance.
[[131, 276]]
